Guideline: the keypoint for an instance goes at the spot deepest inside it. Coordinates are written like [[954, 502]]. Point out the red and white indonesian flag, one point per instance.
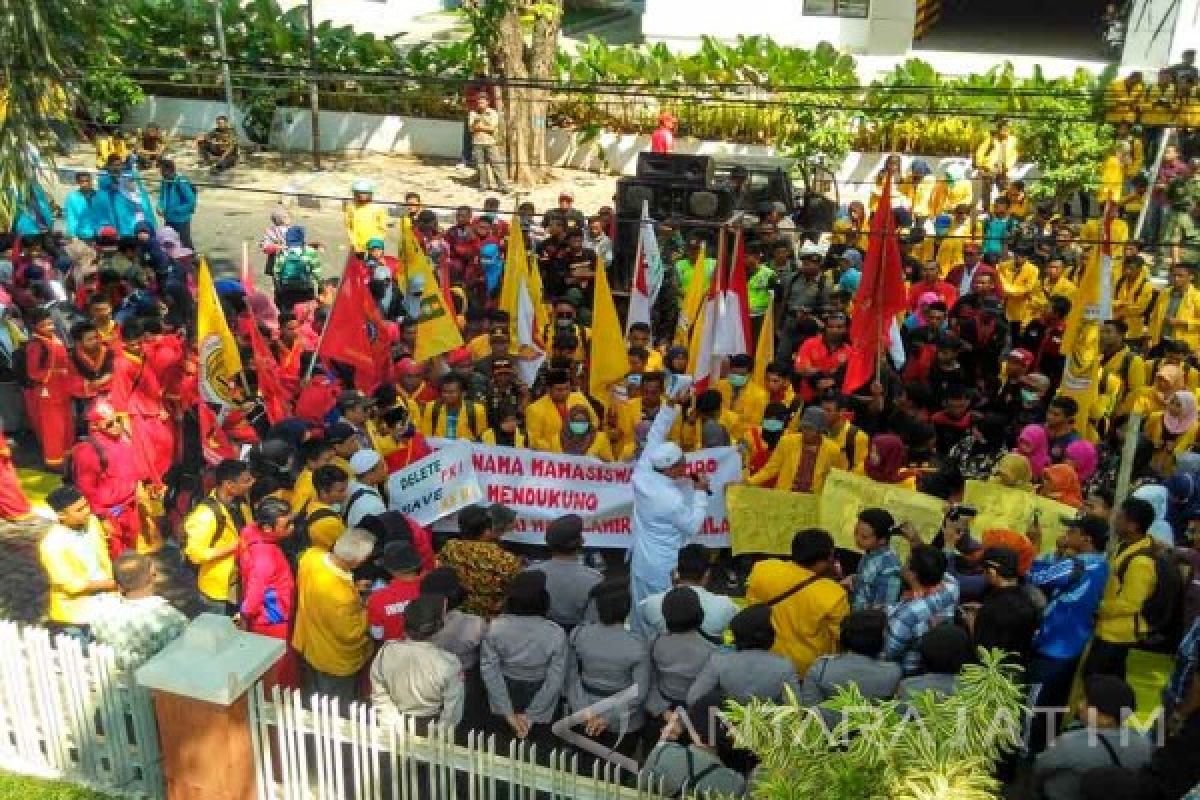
[[648, 274]]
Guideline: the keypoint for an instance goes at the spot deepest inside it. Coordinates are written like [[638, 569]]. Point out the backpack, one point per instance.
[[1163, 609], [294, 271], [350, 501], [68, 466], [468, 410]]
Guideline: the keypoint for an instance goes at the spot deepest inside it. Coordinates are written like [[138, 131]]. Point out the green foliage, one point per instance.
[[18, 787], [938, 749]]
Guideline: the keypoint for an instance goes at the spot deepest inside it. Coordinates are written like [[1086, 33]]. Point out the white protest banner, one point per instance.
[[436, 486], [540, 487]]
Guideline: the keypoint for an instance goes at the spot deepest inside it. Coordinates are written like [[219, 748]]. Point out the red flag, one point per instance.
[[881, 294], [214, 442], [267, 372], [345, 338]]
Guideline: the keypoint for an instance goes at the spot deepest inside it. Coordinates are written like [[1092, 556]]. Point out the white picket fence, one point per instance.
[[70, 714], [310, 751]]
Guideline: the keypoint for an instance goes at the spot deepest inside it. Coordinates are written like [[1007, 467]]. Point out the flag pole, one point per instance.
[[244, 273]]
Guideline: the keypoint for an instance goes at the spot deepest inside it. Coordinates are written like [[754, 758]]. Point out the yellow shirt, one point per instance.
[[1185, 325], [1131, 298], [72, 560], [206, 533], [950, 252], [364, 223], [324, 529], [302, 490], [519, 439], [692, 439], [1128, 370], [629, 414], [1039, 298], [434, 421], [748, 406], [331, 621], [854, 450], [996, 155], [1119, 617], [544, 424], [808, 623], [1166, 450], [1018, 284], [1121, 102]]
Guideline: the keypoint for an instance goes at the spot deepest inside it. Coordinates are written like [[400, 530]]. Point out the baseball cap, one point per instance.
[[1003, 560], [352, 398], [399, 557], [364, 461]]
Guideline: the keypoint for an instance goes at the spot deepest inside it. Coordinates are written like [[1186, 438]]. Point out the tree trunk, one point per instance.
[[525, 106]]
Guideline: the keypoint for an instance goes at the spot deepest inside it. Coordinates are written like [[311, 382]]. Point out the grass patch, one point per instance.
[[20, 787]]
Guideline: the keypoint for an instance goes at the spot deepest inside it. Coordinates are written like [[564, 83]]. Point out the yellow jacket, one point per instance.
[[302, 490], [544, 424], [1128, 369], [1131, 298], [749, 406], [855, 450], [1039, 298], [691, 431], [1186, 324], [629, 414], [1137, 156], [921, 194], [1159, 106], [1018, 284], [601, 447], [808, 623], [780, 470], [1112, 179], [1166, 450], [72, 561], [205, 533], [326, 528], [364, 223], [434, 420], [331, 622], [946, 196], [520, 440], [950, 251], [996, 156], [1119, 618]]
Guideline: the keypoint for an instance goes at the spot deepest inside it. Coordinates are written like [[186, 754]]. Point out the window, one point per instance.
[[853, 9]]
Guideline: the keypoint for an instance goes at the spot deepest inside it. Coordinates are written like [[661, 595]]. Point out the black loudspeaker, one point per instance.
[[684, 202], [676, 169]]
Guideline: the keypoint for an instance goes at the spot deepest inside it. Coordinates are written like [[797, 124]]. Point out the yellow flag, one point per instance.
[[693, 299], [220, 361], [609, 364], [437, 332], [764, 351], [518, 272], [1081, 338]]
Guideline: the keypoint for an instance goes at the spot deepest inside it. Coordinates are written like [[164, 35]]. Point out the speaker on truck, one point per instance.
[[676, 169]]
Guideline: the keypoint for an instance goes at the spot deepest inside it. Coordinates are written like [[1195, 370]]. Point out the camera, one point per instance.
[[960, 511]]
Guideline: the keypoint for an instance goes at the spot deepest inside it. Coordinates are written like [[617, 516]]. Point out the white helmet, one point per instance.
[[362, 186]]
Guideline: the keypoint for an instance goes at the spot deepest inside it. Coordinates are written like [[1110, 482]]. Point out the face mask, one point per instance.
[[633, 380], [579, 427], [1028, 396], [564, 322], [738, 381], [335, 507], [772, 425]]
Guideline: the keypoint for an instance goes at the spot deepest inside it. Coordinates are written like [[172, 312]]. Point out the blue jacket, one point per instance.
[[177, 200], [1074, 588], [80, 211], [33, 216], [112, 206]]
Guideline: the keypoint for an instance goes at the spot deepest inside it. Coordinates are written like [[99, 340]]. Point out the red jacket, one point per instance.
[[112, 484], [268, 586]]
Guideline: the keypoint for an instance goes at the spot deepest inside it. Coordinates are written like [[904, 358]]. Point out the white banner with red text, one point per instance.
[[540, 487]]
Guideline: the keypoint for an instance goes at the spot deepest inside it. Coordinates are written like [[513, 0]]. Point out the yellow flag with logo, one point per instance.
[[764, 351], [609, 363], [693, 299], [220, 361], [437, 332], [1090, 306]]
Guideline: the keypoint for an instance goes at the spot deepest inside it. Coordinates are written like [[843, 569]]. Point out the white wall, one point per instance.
[[681, 23], [181, 117], [343, 131], [380, 17]]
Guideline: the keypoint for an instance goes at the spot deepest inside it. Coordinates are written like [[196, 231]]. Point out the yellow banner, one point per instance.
[[1014, 509], [765, 520], [846, 494]]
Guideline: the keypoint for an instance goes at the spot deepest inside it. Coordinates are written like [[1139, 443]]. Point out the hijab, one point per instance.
[[1183, 495], [1059, 482], [572, 444], [923, 302], [893, 457], [1173, 375], [1038, 443], [1084, 457], [1181, 423], [1158, 496], [1013, 471]]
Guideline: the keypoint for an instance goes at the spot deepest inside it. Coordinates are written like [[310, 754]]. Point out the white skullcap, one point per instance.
[[364, 461], [664, 455]]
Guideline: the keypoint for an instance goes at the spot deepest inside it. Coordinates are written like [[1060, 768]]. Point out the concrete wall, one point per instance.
[[181, 117], [1159, 30], [343, 131], [681, 24], [381, 17]]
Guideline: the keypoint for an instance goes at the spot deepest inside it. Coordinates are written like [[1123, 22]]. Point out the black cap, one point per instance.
[[424, 616], [565, 534], [1109, 695], [399, 557], [1003, 560], [63, 497], [352, 398], [340, 432]]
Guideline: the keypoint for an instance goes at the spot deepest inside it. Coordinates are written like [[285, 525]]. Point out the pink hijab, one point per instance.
[[922, 303], [1083, 456], [1177, 424], [1034, 444]]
